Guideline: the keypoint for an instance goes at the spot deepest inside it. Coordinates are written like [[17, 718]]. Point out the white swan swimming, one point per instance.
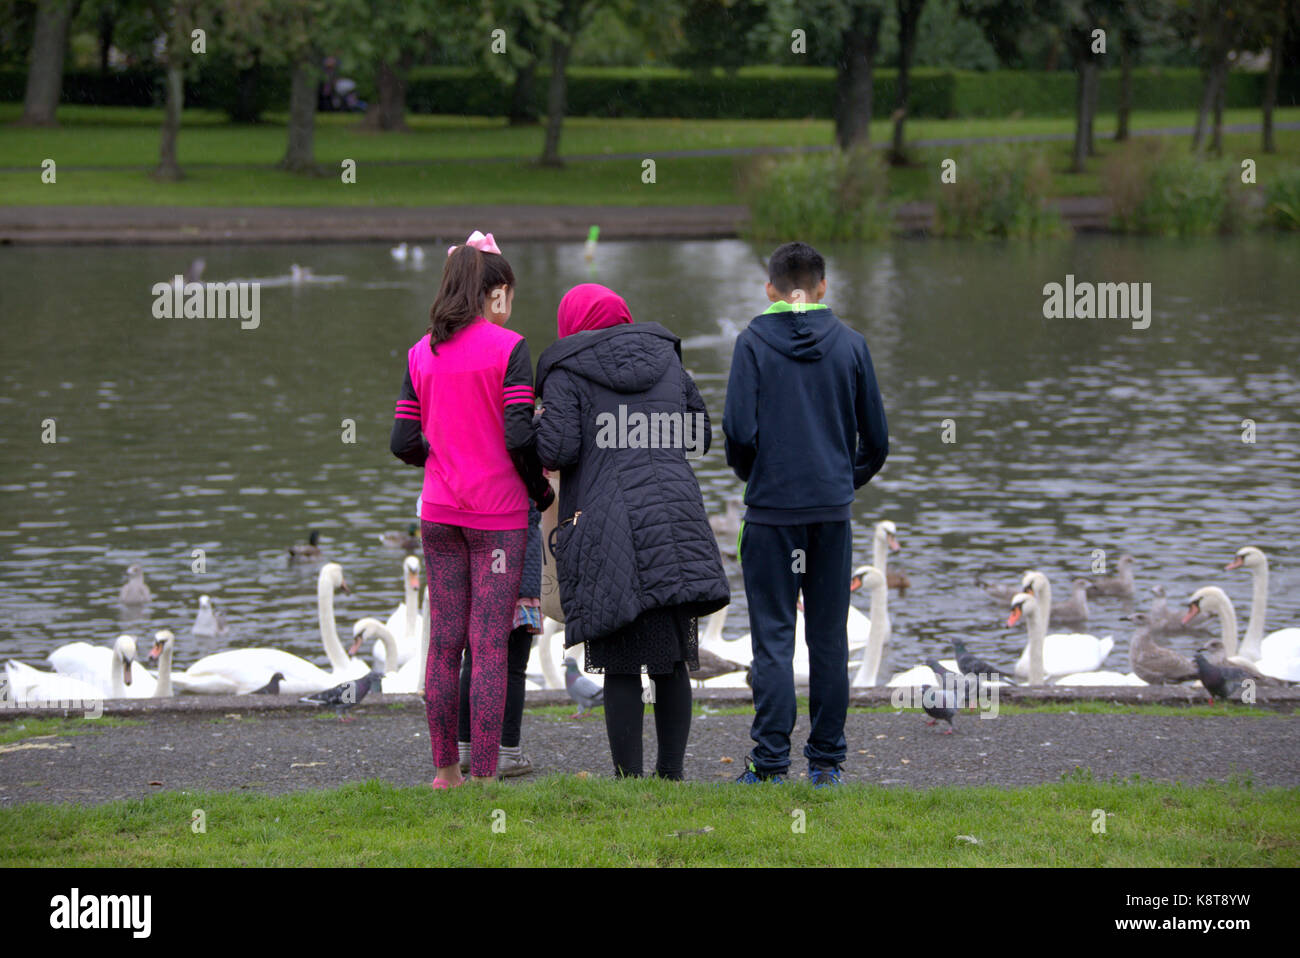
[[238, 671], [1280, 645], [405, 622], [111, 670], [1213, 600], [1056, 655]]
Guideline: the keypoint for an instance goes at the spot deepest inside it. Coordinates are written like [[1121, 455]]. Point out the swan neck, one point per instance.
[[117, 688], [412, 609], [164, 687], [390, 648], [879, 554], [1258, 609], [329, 635], [871, 655], [1228, 622], [1037, 629]]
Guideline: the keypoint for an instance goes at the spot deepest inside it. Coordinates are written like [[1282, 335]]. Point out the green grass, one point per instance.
[[231, 165], [17, 730], [570, 820]]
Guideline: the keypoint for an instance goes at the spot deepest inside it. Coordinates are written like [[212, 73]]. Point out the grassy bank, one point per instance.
[[103, 154], [570, 820]]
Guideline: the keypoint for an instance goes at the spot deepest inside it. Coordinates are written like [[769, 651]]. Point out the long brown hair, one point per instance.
[[466, 280]]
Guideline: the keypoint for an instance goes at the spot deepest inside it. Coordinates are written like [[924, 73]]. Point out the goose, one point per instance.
[[28, 686], [308, 550], [134, 592], [884, 541], [399, 252], [1282, 644], [1215, 601], [1059, 654], [879, 628], [1154, 663], [405, 621], [108, 669], [239, 671], [1120, 585], [408, 540], [209, 621]]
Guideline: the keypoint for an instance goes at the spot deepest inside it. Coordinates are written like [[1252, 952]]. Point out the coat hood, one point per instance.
[[627, 359], [805, 335]]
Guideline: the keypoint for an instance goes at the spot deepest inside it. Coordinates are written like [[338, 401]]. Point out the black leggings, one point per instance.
[[624, 711], [518, 647]]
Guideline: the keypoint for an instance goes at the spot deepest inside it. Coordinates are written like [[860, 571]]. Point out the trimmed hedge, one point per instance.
[[752, 93]]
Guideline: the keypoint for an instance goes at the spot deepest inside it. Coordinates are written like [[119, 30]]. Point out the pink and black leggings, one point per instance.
[[473, 587]]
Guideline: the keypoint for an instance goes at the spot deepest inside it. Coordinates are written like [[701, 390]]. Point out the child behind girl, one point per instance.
[[467, 381]]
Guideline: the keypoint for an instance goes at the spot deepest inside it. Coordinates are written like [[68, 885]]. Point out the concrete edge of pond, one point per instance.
[[1282, 699], [172, 225]]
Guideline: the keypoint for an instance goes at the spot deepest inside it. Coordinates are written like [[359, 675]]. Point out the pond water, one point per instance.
[[1071, 434]]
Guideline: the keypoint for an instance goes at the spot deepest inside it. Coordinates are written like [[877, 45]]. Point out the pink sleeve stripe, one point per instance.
[[407, 404], [526, 400], [402, 415], [519, 389]]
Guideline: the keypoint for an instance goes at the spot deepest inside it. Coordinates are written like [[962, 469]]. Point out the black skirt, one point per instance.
[[654, 643]]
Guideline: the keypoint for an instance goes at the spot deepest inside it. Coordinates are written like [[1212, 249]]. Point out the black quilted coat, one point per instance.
[[633, 533]]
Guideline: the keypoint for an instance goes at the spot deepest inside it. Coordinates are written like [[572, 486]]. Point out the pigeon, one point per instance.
[[1120, 585], [1152, 662], [134, 592], [939, 704], [586, 693], [272, 687], [209, 621], [1225, 681], [939, 671], [968, 663], [1215, 655], [309, 550], [344, 696]]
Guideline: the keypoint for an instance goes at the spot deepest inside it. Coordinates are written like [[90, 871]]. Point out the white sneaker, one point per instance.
[[512, 762]]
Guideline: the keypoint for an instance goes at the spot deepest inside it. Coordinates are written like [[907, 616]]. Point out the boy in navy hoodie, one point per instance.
[[805, 427]]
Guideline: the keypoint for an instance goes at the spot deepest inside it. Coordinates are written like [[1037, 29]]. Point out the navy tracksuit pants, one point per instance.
[[774, 574]]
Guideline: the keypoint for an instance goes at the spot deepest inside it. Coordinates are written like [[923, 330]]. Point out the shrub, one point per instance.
[[1282, 200], [1157, 189], [821, 197], [999, 192]]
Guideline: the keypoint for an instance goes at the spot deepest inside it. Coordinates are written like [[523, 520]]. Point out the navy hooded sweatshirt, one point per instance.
[[804, 422]]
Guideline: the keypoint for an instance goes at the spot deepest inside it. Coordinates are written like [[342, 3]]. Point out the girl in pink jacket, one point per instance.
[[465, 416]]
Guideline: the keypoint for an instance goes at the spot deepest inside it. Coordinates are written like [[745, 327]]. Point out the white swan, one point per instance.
[[398, 252], [111, 670], [541, 658], [920, 675], [857, 625], [238, 671], [407, 678], [873, 579], [1211, 599], [883, 542], [1280, 645], [1056, 655], [404, 624], [28, 686], [163, 642]]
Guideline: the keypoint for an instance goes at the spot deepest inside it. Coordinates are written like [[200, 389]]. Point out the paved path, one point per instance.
[[276, 751]]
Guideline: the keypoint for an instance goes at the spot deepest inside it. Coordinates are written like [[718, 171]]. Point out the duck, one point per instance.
[[209, 621], [111, 670], [1213, 600], [240, 671], [405, 621], [1279, 645], [1119, 585], [408, 540], [884, 541], [1153, 663], [1056, 655], [308, 550], [134, 591]]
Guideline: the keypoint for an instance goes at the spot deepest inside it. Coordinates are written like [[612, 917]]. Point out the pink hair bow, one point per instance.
[[483, 242]]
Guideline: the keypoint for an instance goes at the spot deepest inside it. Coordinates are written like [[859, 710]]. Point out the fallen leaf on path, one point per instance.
[[156, 783], [305, 764], [20, 746], [725, 760], [906, 761]]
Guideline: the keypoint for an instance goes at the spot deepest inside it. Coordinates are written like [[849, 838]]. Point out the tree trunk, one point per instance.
[[1080, 155], [521, 95], [389, 112], [853, 80], [1216, 142], [909, 13], [1203, 113], [555, 105], [169, 167], [45, 69], [300, 157], [1091, 73], [1125, 91], [107, 22], [1274, 68]]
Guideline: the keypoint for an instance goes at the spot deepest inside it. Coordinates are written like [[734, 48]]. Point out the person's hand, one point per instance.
[[548, 497]]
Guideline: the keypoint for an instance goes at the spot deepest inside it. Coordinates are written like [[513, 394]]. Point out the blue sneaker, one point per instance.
[[752, 776], [823, 776]]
